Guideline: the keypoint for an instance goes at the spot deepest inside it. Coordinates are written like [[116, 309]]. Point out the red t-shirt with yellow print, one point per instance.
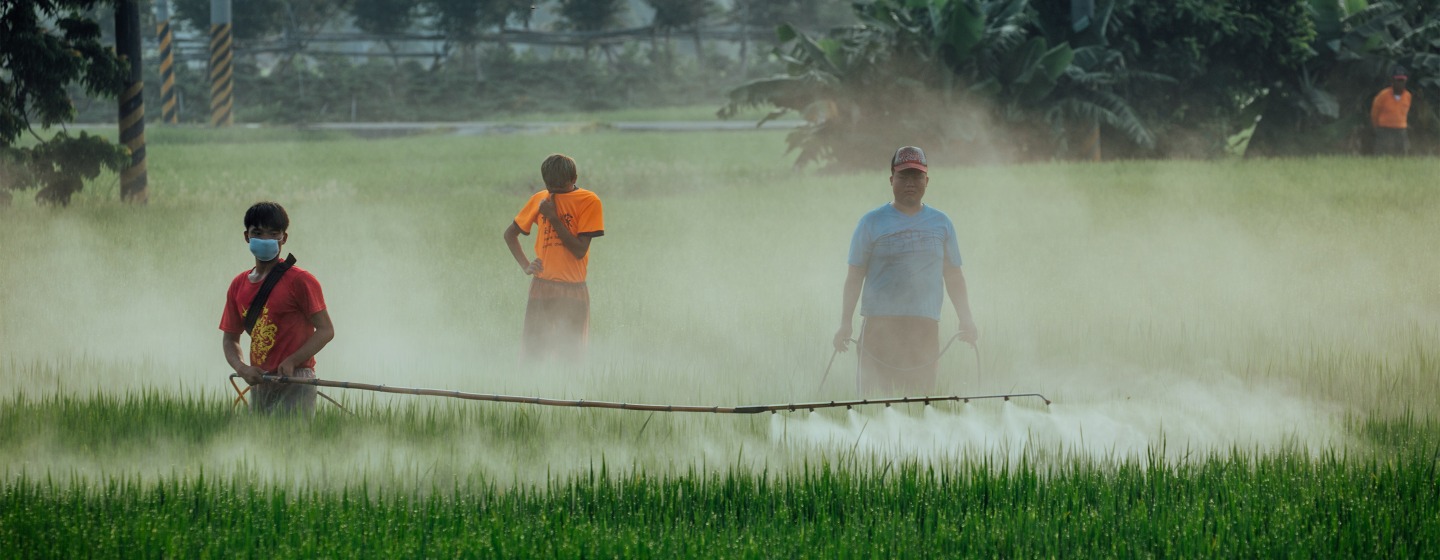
[[583, 216], [284, 323]]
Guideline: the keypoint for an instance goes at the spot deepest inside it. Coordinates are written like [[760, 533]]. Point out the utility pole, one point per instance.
[[133, 180], [222, 94], [168, 112]]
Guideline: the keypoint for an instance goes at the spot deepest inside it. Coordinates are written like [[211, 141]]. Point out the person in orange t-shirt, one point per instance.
[[557, 316], [1388, 113]]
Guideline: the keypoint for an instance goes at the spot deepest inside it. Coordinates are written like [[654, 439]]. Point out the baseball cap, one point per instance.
[[908, 157], [1398, 73]]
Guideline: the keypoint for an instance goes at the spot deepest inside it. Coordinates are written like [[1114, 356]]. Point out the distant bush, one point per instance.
[[494, 82]]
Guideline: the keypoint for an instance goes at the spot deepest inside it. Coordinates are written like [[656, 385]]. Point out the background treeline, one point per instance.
[[1188, 78], [1006, 80], [387, 60]]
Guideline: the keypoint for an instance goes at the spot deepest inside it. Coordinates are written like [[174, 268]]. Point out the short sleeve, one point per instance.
[[308, 296], [860, 245], [530, 213], [952, 245], [591, 219], [230, 319]]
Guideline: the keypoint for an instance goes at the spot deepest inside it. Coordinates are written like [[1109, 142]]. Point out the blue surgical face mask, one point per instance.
[[265, 249]]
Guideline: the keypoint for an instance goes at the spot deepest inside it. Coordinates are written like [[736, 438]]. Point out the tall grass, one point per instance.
[[1240, 505]]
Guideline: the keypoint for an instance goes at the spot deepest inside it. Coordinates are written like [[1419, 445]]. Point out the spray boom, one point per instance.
[[581, 403]]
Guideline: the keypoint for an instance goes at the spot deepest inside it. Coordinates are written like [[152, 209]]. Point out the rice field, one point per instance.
[[1242, 358]]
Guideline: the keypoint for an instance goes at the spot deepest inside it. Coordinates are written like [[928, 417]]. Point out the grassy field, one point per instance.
[[1242, 357]]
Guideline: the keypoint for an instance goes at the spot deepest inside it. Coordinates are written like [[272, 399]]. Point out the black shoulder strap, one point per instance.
[[264, 294]]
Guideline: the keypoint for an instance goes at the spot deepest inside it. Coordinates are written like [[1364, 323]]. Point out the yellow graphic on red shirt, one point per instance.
[[262, 337]]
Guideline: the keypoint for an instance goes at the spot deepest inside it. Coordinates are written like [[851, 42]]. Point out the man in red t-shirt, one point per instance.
[[293, 324], [557, 316]]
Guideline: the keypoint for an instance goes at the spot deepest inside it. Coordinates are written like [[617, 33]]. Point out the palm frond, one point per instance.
[[1103, 107]]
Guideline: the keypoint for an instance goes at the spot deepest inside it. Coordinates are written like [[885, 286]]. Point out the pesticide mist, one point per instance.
[[1189, 308]]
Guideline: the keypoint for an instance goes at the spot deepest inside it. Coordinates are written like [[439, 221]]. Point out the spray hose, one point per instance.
[[885, 365], [240, 396], [541, 401]]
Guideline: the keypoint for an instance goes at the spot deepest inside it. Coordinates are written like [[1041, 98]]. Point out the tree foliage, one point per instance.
[[462, 21], [1324, 105], [807, 15], [61, 165], [671, 15], [1221, 54], [249, 19], [1162, 79], [45, 45], [590, 15], [1171, 79], [383, 17], [977, 78], [680, 14]]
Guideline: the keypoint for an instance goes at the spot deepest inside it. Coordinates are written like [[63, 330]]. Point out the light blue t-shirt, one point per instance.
[[905, 258]]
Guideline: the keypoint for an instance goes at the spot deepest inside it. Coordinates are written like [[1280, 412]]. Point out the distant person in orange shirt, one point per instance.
[[1388, 114], [557, 317]]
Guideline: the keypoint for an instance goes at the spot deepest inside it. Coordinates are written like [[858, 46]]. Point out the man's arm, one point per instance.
[[324, 333], [512, 240], [854, 282], [230, 344], [577, 245], [960, 298], [1375, 110]]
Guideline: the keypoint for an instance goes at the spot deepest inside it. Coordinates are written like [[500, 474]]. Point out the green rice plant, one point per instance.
[[1241, 505]]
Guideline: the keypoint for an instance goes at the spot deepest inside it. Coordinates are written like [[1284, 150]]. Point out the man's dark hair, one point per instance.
[[267, 215]]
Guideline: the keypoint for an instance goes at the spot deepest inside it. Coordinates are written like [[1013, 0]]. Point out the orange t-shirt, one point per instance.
[[1388, 112], [583, 217]]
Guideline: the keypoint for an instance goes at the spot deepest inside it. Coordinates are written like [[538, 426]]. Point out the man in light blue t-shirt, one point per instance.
[[904, 258]]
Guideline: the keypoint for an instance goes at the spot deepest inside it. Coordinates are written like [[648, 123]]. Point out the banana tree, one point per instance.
[[953, 74], [1325, 107], [831, 82]]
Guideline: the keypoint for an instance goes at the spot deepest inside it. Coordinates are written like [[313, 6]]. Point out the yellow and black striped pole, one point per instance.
[[168, 112], [222, 92], [133, 181]]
